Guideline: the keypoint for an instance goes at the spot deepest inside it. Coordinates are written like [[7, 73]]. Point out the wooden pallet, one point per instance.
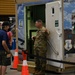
[[67, 68], [31, 66]]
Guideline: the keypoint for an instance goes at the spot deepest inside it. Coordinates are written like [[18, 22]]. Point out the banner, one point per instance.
[[69, 30], [21, 27]]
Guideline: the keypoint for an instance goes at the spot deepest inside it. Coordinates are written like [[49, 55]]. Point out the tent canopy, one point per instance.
[[24, 1]]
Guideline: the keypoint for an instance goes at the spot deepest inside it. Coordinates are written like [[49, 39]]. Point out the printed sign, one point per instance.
[[56, 23]]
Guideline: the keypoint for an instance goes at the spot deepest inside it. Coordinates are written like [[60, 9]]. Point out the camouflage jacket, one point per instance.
[[41, 39]]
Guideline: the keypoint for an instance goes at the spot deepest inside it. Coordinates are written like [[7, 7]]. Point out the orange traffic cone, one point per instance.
[[24, 55], [16, 60], [25, 68]]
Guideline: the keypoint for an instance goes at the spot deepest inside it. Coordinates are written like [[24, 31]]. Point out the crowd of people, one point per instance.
[[40, 47]]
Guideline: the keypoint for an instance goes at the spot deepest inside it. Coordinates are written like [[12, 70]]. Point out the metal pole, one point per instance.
[[62, 4], [16, 15]]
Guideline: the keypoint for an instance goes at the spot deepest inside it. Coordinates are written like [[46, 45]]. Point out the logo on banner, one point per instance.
[[20, 23], [68, 45]]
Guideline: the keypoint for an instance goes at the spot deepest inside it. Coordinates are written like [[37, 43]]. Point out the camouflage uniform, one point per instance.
[[40, 49]]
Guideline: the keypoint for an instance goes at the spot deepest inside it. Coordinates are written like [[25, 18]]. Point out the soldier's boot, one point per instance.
[[40, 73], [36, 72]]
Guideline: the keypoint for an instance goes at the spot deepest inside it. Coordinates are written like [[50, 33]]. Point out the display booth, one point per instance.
[[58, 17]]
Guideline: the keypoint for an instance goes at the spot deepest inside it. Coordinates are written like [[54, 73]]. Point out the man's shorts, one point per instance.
[[4, 61]]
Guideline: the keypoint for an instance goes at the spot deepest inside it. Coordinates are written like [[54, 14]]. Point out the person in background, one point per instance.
[[5, 53], [0, 25], [40, 47], [10, 37], [13, 30]]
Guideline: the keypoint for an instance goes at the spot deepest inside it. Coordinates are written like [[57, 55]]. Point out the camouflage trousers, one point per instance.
[[40, 63]]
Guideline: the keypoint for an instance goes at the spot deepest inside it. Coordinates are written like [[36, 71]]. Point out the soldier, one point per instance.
[[40, 47]]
